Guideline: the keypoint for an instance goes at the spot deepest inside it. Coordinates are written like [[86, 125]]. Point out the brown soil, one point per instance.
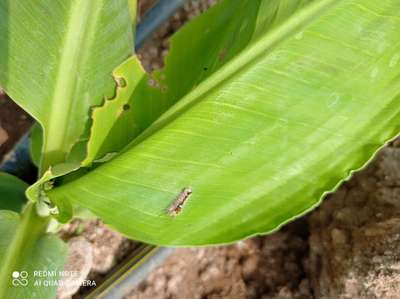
[[154, 50], [264, 267], [14, 122], [100, 250], [355, 235]]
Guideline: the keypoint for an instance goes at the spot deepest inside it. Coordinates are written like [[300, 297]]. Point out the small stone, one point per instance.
[[374, 231], [211, 273], [249, 266], [79, 262], [389, 196], [338, 236], [174, 283], [106, 246], [395, 267], [284, 293], [160, 283]]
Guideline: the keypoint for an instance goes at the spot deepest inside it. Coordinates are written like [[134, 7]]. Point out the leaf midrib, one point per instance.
[[250, 55], [80, 27]]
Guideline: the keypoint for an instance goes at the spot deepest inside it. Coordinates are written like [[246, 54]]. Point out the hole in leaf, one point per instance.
[[120, 82], [126, 107], [164, 89]]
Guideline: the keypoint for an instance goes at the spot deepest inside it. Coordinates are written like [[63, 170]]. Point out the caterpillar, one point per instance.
[[177, 205]]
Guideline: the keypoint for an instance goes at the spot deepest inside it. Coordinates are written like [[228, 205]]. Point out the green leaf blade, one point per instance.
[[21, 255], [214, 38], [103, 134], [12, 192], [65, 67], [265, 137]]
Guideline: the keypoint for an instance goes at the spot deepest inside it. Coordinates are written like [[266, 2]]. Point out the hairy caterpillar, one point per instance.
[[176, 206]]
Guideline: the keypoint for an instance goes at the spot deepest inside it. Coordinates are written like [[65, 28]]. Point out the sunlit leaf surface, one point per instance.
[[56, 59], [264, 137]]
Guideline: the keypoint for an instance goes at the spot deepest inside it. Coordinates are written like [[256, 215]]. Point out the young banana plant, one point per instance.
[[262, 108]]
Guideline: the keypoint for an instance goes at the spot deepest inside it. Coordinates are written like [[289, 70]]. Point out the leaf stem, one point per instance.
[[31, 227]]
